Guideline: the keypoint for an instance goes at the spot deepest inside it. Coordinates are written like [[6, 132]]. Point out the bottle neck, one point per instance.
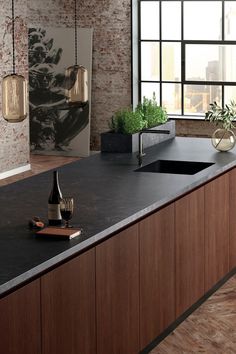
[[56, 187], [55, 178]]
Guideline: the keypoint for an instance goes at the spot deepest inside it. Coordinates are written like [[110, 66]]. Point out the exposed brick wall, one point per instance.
[[111, 88], [194, 128], [14, 138]]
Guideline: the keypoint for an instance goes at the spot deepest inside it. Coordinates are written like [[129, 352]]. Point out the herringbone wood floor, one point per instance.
[[211, 329]]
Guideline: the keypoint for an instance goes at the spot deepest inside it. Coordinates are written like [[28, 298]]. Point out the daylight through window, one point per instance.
[[187, 54]]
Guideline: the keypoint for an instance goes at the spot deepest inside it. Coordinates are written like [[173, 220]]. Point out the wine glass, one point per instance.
[[66, 209]]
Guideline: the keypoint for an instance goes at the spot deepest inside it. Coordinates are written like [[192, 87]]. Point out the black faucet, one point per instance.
[[140, 141]]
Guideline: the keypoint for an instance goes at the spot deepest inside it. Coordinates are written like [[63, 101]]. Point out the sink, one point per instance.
[[175, 167]]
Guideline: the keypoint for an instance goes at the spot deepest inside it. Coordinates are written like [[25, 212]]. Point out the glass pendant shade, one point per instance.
[[14, 102], [77, 85]]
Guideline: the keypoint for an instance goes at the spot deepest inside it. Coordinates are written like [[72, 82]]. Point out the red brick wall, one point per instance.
[[14, 138]]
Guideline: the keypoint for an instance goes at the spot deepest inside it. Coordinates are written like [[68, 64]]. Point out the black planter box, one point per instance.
[[116, 142]]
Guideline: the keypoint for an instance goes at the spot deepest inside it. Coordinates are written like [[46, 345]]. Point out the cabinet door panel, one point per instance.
[[189, 220], [232, 216], [157, 274], [20, 321], [216, 230], [68, 307], [117, 291]]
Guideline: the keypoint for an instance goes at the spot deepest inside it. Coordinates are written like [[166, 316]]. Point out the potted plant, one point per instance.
[[223, 138], [152, 114], [127, 123]]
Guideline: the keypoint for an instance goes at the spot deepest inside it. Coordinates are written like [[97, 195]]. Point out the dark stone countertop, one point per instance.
[[108, 194]]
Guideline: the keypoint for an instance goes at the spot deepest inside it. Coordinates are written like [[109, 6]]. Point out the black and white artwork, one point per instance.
[[56, 127]]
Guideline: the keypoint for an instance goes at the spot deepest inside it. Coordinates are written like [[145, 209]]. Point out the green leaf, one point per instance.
[[222, 116]]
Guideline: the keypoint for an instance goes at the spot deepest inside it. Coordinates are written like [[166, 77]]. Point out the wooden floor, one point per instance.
[[211, 329], [39, 163]]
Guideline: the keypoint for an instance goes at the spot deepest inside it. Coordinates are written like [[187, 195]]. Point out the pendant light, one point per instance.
[[14, 89], [76, 77]]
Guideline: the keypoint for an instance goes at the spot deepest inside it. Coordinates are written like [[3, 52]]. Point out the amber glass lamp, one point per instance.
[[78, 93], [14, 89], [76, 78]]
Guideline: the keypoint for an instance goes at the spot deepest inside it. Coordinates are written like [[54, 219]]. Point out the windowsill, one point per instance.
[[202, 118]]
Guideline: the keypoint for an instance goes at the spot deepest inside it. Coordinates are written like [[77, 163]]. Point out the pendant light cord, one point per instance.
[[76, 58], [13, 39]]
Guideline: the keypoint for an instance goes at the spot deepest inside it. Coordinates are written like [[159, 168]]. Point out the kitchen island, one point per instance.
[[152, 246]]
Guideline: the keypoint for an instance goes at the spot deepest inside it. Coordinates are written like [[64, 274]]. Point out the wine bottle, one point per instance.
[[54, 215]]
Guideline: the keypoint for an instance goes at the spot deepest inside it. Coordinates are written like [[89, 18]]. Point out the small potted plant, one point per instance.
[[127, 123], [152, 114], [223, 138]]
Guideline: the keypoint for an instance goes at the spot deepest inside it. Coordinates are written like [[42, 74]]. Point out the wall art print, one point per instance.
[[55, 127]]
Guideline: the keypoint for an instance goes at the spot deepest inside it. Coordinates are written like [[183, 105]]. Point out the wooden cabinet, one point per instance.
[[120, 295], [117, 293], [232, 219], [157, 274], [189, 229], [20, 321], [216, 230], [68, 307]]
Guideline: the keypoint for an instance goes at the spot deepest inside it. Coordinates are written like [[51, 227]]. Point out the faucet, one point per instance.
[[140, 141]]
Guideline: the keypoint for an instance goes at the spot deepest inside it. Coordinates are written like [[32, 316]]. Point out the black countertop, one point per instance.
[[108, 194]]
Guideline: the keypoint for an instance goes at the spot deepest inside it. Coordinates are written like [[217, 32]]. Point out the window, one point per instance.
[[187, 54]]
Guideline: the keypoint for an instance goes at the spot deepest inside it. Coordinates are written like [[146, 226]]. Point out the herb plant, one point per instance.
[[146, 115], [222, 116], [126, 121], [151, 112]]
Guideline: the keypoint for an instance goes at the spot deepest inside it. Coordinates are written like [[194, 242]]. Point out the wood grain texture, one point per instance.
[[117, 291], [157, 274], [189, 227], [211, 329], [232, 218], [216, 230], [68, 307], [20, 321], [39, 163]]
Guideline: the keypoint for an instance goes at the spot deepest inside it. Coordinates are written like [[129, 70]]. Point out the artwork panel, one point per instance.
[[57, 127]]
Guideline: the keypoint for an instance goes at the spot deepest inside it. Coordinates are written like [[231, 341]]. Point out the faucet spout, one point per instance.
[[141, 154]]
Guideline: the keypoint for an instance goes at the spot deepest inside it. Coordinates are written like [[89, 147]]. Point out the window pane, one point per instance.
[[171, 20], [210, 62], [171, 61], [230, 93], [171, 98], [147, 90], [202, 20], [150, 20], [150, 61], [230, 20], [198, 97], [228, 53]]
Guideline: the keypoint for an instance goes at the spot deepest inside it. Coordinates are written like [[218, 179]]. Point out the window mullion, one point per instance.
[[182, 58], [160, 48], [210, 53], [223, 39]]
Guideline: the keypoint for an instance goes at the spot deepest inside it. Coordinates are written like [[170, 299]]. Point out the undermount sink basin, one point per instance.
[[175, 167]]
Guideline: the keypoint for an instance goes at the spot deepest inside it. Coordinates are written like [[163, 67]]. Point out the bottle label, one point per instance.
[[54, 212]]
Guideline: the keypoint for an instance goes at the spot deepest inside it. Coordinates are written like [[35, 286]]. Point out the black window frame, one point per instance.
[[183, 44]]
